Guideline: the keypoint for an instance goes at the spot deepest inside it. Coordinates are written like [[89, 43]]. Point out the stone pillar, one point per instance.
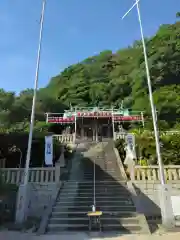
[[168, 220], [22, 203], [130, 163], [82, 132], [96, 132], [2, 163], [109, 131], [61, 159], [74, 137], [57, 172], [131, 169]]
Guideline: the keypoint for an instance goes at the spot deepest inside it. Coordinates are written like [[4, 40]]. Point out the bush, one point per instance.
[[146, 148], [20, 141], [8, 195], [120, 145]]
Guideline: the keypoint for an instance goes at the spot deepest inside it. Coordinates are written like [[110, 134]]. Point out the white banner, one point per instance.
[[130, 140], [49, 150]]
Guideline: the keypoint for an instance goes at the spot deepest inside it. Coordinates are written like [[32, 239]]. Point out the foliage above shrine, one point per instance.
[[108, 79]]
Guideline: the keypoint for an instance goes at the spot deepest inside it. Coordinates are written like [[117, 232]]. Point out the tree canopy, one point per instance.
[[106, 79]]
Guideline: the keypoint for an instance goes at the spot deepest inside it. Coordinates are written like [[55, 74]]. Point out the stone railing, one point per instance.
[[36, 175], [172, 172], [65, 138]]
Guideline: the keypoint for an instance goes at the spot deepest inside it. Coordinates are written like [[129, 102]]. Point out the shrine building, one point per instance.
[[94, 123]]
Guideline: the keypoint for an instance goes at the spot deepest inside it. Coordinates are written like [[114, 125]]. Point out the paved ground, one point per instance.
[[5, 235]]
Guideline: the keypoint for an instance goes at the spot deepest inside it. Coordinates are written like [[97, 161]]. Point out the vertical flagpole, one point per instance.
[[75, 125], [160, 163], [164, 194], [161, 168], [112, 113], [94, 202], [26, 172]]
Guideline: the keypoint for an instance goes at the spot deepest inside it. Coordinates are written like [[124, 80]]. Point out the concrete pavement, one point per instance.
[[8, 235]]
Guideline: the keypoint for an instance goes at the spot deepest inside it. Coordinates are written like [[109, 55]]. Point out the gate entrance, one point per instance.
[[94, 124]]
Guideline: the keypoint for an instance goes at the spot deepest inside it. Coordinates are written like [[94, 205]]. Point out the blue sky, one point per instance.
[[74, 30]]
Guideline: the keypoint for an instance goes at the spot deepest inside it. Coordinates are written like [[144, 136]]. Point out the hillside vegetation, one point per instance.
[[106, 79]]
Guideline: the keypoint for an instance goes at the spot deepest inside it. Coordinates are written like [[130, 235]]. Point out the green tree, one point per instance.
[[178, 14]]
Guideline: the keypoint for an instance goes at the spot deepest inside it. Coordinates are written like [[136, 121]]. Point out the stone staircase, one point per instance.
[[111, 195]]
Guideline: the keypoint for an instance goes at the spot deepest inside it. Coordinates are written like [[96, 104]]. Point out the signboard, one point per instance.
[[176, 205], [130, 140], [61, 120], [93, 115], [49, 150], [127, 118]]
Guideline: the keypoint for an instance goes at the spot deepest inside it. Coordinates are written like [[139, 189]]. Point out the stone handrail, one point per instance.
[[65, 138], [120, 164], [36, 175], [172, 172]]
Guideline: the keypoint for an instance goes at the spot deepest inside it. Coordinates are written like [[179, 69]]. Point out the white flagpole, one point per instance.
[[75, 125], [134, 5], [164, 194], [112, 113], [161, 168], [26, 175]]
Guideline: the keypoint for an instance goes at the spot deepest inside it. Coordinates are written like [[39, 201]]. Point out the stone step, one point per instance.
[[101, 181], [101, 178], [100, 202], [129, 208], [98, 183], [106, 177], [102, 186], [127, 228], [87, 206], [85, 220], [102, 169], [70, 214], [84, 198], [98, 190], [98, 194]]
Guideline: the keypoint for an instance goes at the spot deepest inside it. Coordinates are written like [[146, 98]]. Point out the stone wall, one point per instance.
[[147, 201], [40, 196]]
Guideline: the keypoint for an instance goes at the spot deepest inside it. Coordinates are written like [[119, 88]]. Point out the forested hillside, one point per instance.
[[107, 79]]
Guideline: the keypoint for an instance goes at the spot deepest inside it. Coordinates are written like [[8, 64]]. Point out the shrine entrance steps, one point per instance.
[[112, 196]]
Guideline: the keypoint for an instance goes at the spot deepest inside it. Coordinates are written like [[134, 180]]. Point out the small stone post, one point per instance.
[[2, 163], [131, 168], [61, 159], [168, 219], [129, 161], [82, 132], [74, 138], [57, 171]]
